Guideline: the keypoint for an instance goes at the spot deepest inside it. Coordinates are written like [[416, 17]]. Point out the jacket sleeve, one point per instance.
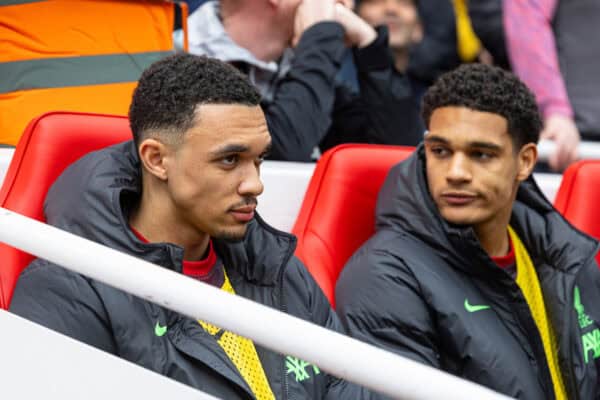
[[437, 52], [379, 302], [486, 19], [299, 115], [311, 299], [535, 60], [64, 302], [385, 111]]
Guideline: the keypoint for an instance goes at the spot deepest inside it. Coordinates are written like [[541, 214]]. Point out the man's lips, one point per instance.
[[458, 198], [243, 214]]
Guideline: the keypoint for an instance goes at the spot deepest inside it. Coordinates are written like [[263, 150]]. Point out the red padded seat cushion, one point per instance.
[[338, 211], [49, 144], [578, 197]]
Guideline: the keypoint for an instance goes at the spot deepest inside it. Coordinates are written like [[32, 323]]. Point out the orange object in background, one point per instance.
[[76, 55]]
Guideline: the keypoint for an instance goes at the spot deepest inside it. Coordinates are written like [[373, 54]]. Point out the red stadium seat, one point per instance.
[[338, 211], [578, 196], [49, 144]]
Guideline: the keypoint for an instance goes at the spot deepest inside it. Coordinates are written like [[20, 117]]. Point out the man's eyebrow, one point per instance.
[[485, 145], [435, 139], [234, 148], [229, 149]]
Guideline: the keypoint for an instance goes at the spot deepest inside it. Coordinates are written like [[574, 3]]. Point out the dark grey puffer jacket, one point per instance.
[[92, 199], [414, 288]]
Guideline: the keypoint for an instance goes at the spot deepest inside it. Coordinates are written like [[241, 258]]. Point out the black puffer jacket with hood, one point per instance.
[[409, 290], [92, 199]]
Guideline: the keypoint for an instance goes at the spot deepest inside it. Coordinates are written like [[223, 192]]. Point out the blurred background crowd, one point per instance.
[[333, 72]]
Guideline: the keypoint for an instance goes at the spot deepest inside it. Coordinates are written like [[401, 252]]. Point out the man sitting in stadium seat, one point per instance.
[[471, 269], [183, 195], [303, 105]]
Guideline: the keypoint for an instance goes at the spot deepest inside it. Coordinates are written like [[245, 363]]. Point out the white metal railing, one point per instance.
[[586, 150], [335, 353]]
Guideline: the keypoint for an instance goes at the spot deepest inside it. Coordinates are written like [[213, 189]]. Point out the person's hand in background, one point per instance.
[[358, 32], [563, 132], [311, 12]]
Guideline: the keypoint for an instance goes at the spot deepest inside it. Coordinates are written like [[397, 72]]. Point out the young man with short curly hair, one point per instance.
[[183, 195], [471, 269]]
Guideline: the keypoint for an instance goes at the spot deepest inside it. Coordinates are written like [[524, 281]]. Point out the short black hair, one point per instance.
[[490, 89], [170, 89]]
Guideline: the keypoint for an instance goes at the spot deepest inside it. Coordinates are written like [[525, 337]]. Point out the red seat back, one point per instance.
[[338, 211], [49, 144], [578, 197]]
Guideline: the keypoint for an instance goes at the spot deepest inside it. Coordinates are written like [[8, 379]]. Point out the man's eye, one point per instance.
[[230, 160], [262, 157], [439, 151], [482, 155]]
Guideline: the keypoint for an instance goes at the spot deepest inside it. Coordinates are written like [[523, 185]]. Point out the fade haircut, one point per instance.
[[169, 91], [490, 89]]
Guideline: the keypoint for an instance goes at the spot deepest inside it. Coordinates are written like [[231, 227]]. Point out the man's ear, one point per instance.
[[153, 155], [527, 158]]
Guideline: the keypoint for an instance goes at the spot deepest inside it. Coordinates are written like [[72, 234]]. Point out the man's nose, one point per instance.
[[251, 184], [391, 6], [459, 169]]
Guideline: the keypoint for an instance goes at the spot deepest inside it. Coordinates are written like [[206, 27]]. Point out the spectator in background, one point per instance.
[[545, 37], [402, 19], [423, 37], [304, 107], [427, 37], [406, 33], [471, 270], [437, 52], [487, 22]]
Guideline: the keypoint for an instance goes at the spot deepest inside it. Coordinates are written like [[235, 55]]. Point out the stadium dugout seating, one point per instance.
[[578, 195], [337, 214], [338, 211], [49, 144], [77, 55]]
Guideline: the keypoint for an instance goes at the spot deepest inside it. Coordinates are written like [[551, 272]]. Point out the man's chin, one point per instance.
[[233, 236], [459, 220], [232, 239]]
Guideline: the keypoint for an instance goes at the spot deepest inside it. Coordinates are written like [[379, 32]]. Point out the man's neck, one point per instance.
[[161, 225], [400, 59], [494, 238], [256, 36]]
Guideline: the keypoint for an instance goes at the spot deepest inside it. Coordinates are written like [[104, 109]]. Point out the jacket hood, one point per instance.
[[405, 205], [94, 197]]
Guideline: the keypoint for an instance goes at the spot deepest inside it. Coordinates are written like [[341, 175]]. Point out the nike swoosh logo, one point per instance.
[[473, 308], [159, 330]]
